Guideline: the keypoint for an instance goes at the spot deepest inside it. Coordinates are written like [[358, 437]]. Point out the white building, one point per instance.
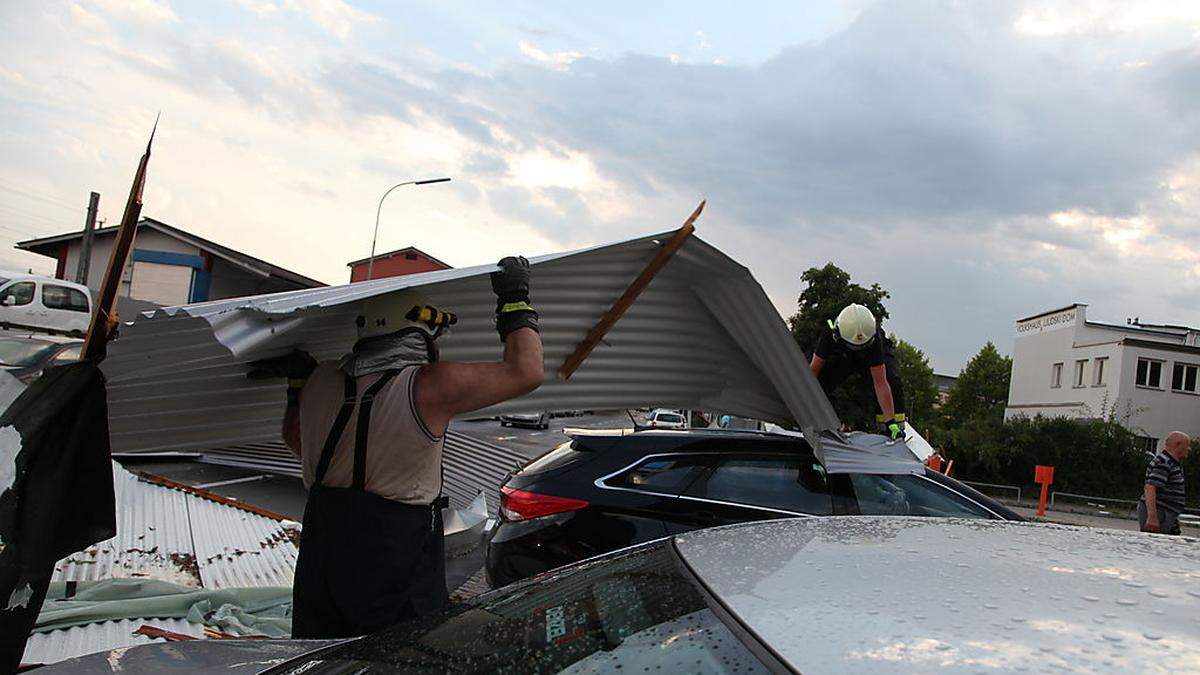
[[168, 266], [1066, 365]]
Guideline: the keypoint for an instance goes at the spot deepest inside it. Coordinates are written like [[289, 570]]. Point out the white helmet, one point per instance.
[[386, 314], [856, 325]]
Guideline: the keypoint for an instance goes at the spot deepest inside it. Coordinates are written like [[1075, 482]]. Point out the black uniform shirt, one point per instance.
[[831, 347]]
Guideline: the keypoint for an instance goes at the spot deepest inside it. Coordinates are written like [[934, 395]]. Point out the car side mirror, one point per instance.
[[9, 300]]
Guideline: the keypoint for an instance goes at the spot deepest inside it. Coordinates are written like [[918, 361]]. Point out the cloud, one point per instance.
[[149, 12], [556, 60], [335, 16], [982, 161]]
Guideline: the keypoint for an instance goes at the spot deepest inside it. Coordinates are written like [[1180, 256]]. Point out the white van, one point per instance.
[[45, 304]]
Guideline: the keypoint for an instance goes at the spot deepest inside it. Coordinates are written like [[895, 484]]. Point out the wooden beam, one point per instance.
[[623, 303], [104, 317]]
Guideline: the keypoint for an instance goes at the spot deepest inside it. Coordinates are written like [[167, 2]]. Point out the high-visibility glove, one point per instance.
[[511, 286], [893, 429], [295, 366]]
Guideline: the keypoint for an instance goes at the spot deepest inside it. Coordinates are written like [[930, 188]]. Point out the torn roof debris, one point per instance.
[[702, 335], [178, 535]]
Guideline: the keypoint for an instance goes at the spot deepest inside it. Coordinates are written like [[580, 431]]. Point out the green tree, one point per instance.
[[981, 391], [920, 390], [827, 291]]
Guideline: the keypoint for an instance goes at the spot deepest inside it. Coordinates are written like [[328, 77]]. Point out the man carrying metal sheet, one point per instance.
[[369, 431], [855, 343]]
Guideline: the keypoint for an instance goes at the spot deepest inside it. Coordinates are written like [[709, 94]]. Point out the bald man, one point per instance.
[[1160, 506]]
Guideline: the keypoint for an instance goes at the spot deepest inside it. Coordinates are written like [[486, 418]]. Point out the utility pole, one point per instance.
[[85, 247]]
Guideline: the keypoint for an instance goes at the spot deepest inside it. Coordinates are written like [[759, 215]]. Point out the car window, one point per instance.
[[68, 355], [61, 297], [21, 292], [22, 352], [908, 495], [633, 613], [661, 474], [669, 418], [792, 483]]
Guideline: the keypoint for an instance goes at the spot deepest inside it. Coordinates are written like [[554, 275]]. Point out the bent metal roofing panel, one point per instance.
[[702, 335]]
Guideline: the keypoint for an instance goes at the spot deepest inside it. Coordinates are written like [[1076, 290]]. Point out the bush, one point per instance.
[[1094, 457]]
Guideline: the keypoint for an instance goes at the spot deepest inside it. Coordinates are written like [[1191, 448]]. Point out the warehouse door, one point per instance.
[[162, 284]]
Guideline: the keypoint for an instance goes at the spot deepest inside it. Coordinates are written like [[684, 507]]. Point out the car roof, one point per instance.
[[25, 276], [897, 595], [575, 432], [39, 337]]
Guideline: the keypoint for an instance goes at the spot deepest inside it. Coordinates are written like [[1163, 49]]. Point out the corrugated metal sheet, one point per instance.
[[469, 465], [59, 645], [187, 539], [177, 536], [154, 538], [703, 335]]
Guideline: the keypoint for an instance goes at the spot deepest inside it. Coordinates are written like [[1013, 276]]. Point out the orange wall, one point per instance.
[[395, 266]]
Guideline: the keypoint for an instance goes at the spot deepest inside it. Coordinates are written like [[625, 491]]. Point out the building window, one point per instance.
[[1079, 367], [1183, 377], [1098, 372], [1149, 373], [410, 256], [1146, 444], [1056, 376]]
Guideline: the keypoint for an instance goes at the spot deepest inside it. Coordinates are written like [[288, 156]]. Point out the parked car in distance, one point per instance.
[[604, 490], [531, 421], [26, 357], [44, 303], [811, 595], [666, 419]]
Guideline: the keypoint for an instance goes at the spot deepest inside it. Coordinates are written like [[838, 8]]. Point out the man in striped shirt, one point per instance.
[[1160, 506]]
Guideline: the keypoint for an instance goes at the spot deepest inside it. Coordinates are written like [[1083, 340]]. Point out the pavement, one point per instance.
[[1093, 520]]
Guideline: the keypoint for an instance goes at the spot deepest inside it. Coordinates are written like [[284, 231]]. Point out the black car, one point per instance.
[[602, 491], [25, 357]]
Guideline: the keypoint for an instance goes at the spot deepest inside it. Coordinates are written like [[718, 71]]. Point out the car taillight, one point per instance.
[[522, 505]]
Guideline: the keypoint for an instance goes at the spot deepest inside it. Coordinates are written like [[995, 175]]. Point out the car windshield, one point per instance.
[[908, 495], [22, 352], [635, 612], [670, 418]]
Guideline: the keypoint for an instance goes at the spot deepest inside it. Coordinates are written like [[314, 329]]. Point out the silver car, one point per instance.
[[814, 595]]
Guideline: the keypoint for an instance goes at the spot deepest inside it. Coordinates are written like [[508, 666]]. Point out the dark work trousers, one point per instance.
[[1168, 521], [366, 562], [837, 369]]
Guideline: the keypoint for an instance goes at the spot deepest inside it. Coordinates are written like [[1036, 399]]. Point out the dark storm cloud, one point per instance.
[[916, 112]]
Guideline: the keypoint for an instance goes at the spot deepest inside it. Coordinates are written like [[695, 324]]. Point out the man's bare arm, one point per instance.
[[816, 364], [443, 390], [883, 392], [291, 428], [1151, 495]]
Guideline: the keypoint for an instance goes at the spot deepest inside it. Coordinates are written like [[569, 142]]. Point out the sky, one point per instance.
[[982, 161]]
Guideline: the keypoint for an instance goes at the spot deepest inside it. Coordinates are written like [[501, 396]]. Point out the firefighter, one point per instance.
[[369, 431], [855, 343]]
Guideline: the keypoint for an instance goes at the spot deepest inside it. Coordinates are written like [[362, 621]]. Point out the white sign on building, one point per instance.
[[1067, 366]]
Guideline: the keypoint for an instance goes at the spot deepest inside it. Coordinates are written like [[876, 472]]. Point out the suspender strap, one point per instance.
[[335, 432], [364, 426]]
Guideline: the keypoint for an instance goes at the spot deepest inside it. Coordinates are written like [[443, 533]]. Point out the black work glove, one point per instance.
[[511, 286], [295, 366]]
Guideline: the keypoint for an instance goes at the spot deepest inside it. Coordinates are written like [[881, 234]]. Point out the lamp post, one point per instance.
[[374, 237]]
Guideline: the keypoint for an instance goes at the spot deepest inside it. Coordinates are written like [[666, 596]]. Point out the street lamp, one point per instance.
[[371, 260]]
